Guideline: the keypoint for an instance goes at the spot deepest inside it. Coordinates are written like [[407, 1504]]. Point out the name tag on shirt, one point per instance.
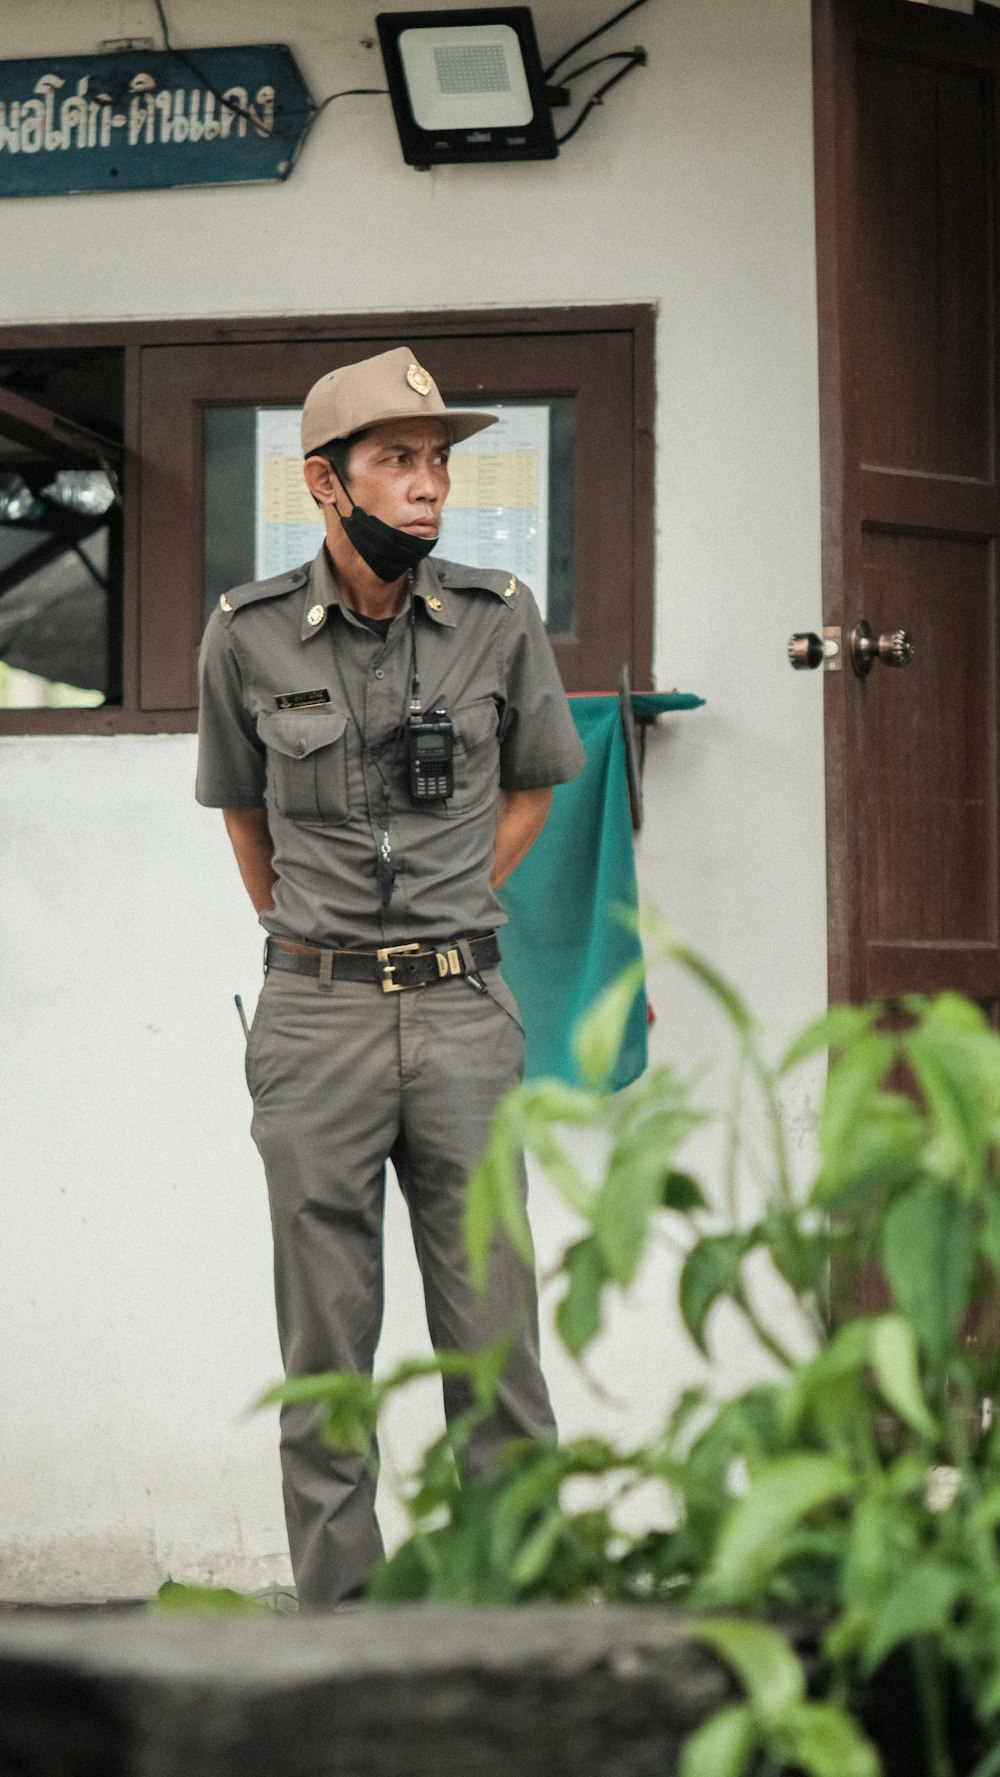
[[301, 700]]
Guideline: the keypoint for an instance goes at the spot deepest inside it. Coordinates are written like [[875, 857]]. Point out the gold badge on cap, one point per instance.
[[224, 604], [316, 615], [418, 379], [435, 604]]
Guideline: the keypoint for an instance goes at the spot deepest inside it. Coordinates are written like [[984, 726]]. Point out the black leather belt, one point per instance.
[[394, 967]]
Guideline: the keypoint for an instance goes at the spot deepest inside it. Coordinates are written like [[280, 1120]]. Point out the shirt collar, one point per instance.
[[437, 602], [322, 591]]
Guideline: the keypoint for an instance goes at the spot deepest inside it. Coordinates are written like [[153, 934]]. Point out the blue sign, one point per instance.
[[140, 120]]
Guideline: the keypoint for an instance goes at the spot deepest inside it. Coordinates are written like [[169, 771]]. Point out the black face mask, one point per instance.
[[389, 553]]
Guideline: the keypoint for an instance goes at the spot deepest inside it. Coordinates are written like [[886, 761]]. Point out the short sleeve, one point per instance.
[[231, 768], [539, 744]]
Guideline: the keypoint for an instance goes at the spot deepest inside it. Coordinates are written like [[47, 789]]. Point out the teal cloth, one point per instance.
[[566, 940], [564, 943], [657, 703]]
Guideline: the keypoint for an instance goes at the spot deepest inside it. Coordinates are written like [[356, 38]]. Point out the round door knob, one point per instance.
[[893, 648], [805, 651]]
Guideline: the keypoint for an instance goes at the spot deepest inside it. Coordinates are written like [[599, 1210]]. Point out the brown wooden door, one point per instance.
[[908, 149]]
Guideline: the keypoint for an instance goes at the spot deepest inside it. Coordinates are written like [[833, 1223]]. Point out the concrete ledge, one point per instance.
[[589, 1692]]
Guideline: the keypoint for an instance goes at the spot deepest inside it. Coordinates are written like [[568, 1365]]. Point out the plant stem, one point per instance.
[[733, 1141], [763, 1333], [772, 1106], [989, 1764], [930, 1691]]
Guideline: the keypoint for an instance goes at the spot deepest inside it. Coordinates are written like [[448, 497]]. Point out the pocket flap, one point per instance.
[[475, 722], [297, 733]]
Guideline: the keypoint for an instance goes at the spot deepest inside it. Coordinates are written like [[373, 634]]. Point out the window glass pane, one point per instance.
[[54, 621], [229, 442], [60, 541], [511, 508]]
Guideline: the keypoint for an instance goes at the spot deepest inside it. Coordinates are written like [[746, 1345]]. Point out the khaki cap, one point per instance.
[[392, 386]]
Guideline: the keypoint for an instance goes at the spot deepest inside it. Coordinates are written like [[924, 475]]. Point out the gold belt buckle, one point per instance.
[[389, 968]]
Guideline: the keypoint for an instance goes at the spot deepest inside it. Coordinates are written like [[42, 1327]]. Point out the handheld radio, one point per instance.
[[430, 740], [430, 748]]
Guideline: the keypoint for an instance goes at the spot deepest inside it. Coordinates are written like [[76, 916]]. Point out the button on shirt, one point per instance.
[[331, 766]]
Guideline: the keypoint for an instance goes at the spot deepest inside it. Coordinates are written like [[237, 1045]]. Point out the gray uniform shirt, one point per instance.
[[333, 776]]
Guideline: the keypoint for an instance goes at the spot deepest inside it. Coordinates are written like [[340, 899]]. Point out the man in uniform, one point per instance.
[[384, 1029]]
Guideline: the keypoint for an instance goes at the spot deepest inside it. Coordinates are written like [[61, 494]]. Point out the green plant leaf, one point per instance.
[[720, 989], [927, 1252], [578, 1316], [722, 1746], [952, 1065], [852, 1083], [801, 1258], [988, 1705], [952, 1011], [897, 1372], [781, 1493], [710, 1270], [813, 1385], [885, 1153], [553, 1101], [535, 1553], [683, 1193], [989, 1233], [494, 1195], [561, 1168], [632, 1192], [769, 1671], [350, 1405], [921, 1603], [824, 1741], [598, 1037], [881, 1545], [206, 1601], [407, 1576], [836, 1030]]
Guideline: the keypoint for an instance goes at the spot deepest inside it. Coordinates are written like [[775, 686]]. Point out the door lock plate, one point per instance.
[[806, 650]]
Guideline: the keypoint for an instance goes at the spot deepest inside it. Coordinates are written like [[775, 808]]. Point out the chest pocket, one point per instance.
[[307, 764], [476, 758]]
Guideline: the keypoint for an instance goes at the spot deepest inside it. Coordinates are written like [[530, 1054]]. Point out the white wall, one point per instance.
[[135, 1315]]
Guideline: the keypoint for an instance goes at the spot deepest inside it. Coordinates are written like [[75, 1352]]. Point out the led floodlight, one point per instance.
[[467, 85]]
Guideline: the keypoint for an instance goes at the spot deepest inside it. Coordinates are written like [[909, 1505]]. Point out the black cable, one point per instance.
[[237, 110], [582, 44], [613, 55], [637, 59], [348, 92], [164, 27]]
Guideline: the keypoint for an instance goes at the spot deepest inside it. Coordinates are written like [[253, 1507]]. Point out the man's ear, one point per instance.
[[321, 481]]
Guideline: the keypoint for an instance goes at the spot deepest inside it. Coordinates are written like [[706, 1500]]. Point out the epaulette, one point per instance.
[[256, 590], [458, 578]]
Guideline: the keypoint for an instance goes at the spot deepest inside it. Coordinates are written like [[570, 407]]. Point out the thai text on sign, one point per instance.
[[141, 120]]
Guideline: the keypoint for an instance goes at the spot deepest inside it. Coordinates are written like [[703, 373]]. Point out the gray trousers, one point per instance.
[[342, 1080]]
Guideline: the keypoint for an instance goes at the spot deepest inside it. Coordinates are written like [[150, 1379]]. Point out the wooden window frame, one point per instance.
[[637, 321]]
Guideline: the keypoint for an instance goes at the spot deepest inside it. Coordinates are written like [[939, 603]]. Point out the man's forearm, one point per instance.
[[251, 841], [521, 815]]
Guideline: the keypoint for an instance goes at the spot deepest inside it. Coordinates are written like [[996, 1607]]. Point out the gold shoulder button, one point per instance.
[[224, 604]]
